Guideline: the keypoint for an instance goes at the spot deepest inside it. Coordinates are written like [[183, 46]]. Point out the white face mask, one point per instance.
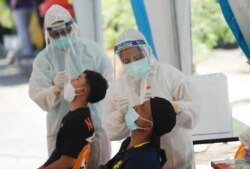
[[69, 92]]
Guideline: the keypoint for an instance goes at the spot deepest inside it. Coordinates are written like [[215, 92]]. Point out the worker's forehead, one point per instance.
[[57, 22], [130, 50]]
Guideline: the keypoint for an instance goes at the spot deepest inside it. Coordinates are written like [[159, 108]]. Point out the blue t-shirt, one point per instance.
[[23, 4], [143, 156]]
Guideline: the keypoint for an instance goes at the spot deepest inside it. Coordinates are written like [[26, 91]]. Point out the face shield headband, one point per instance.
[[60, 26], [60, 29], [128, 44]]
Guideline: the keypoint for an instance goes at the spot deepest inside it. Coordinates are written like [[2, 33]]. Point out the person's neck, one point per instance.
[[138, 137], [78, 102]]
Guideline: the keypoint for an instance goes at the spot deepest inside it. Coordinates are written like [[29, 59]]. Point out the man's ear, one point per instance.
[[86, 91], [149, 126], [83, 91]]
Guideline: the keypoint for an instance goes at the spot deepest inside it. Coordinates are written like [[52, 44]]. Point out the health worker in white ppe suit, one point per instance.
[[65, 57], [142, 77]]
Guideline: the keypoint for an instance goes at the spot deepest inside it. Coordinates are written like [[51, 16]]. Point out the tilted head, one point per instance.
[[156, 115], [91, 85]]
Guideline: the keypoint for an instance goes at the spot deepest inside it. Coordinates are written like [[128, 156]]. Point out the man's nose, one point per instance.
[[136, 107]]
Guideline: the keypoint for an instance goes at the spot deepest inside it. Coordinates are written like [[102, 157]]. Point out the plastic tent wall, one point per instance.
[[166, 24], [89, 19], [237, 15]]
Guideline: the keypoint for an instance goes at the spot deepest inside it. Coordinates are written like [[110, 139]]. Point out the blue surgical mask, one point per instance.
[[64, 42], [138, 69], [131, 116]]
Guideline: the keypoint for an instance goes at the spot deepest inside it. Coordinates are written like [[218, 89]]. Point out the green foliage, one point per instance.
[[5, 15], [208, 26], [118, 16]]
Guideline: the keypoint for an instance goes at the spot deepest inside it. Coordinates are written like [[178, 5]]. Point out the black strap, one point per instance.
[[163, 157]]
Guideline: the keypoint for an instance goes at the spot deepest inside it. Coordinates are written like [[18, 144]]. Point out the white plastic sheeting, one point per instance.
[[241, 12], [237, 15], [171, 32], [89, 18], [215, 120]]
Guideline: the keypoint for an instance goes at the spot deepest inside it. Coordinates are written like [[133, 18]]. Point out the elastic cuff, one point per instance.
[[56, 91], [176, 107], [120, 119]]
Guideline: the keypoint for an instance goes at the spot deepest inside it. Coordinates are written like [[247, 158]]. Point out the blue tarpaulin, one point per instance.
[[234, 26]]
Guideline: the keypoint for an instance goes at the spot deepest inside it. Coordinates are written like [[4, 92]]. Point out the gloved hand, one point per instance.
[[245, 137], [176, 107], [122, 106], [60, 79], [120, 118]]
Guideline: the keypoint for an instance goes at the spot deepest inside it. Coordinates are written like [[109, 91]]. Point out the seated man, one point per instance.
[[77, 130], [147, 123]]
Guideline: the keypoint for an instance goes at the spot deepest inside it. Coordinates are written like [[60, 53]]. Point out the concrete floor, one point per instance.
[[22, 123]]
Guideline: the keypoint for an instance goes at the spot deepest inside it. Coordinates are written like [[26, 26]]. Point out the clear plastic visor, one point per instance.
[[61, 34], [58, 31]]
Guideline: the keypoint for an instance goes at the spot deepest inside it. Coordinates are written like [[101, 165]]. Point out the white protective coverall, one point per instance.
[[245, 138], [166, 82], [82, 55]]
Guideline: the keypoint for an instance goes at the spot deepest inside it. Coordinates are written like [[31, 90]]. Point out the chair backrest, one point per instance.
[[240, 153]]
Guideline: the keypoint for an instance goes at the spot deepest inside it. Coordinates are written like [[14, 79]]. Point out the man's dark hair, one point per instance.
[[98, 86]]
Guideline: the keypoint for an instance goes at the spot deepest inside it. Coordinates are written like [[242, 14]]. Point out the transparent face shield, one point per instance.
[[133, 58], [61, 35]]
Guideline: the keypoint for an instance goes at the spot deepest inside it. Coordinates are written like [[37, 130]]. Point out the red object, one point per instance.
[[43, 7], [248, 62], [148, 87], [222, 166]]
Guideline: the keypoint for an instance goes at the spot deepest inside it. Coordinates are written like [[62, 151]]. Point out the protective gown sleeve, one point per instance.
[[102, 63], [186, 96], [106, 67], [41, 85], [113, 119]]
